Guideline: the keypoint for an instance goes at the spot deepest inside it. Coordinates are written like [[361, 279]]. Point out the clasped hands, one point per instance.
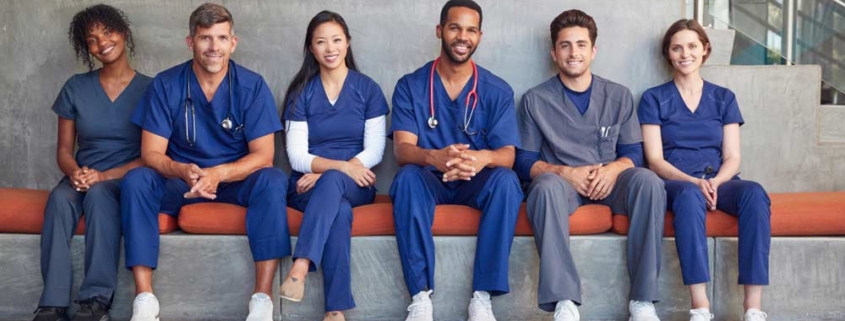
[[710, 188], [83, 178], [595, 182], [203, 182], [458, 162]]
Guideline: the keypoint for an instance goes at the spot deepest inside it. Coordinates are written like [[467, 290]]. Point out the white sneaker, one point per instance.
[[701, 314], [642, 311], [260, 308], [755, 315], [480, 307], [421, 308], [566, 310], [145, 307]]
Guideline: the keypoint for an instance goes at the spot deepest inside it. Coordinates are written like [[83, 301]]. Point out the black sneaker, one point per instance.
[[91, 310], [51, 314]]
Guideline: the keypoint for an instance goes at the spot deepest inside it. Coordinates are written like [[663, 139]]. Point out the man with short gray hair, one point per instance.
[[208, 127]]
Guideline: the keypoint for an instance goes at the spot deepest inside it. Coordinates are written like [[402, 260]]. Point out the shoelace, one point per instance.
[[485, 306], [415, 309], [756, 315]]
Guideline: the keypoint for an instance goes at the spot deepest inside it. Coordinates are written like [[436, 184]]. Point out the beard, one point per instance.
[[452, 56]]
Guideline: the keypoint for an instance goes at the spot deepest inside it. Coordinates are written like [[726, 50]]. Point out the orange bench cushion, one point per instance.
[[22, 211], [377, 219], [793, 214]]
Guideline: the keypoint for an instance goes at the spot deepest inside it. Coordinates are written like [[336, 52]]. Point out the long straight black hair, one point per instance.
[[310, 66]]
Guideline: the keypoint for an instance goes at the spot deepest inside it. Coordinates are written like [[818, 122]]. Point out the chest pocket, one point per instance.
[[607, 138]]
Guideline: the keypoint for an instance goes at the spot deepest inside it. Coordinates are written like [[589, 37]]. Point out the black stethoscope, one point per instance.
[[473, 94], [227, 123]]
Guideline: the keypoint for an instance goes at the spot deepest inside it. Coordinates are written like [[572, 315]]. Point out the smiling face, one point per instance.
[[105, 45], [212, 47], [460, 34], [686, 52], [329, 45], [573, 52]]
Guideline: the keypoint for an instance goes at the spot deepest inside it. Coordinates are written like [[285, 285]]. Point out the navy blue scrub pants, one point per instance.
[[102, 242], [745, 199], [494, 191], [325, 234], [145, 193]]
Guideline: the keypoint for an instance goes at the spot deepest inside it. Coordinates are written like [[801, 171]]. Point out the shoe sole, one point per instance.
[[287, 298]]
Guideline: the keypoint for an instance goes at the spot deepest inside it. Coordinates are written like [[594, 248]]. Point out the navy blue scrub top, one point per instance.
[[691, 141], [337, 131], [493, 125], [163, 112], [104, 134]]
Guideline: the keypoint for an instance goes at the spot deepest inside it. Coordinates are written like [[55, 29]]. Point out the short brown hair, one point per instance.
[[681, 25], [573, 18], [207, 15]]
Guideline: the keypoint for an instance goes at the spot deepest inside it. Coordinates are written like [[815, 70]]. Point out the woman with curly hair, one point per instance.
[[94, 110]]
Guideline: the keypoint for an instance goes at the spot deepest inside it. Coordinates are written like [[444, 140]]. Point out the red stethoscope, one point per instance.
[[473, 94]]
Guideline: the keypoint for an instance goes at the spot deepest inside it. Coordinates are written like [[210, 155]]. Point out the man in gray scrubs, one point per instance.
[[581, 144]]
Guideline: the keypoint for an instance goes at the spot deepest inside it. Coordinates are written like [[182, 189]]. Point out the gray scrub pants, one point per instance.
[[638, 193], [102, 242]]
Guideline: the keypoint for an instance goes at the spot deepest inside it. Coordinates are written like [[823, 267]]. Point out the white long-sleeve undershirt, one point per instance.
[[301, 160]]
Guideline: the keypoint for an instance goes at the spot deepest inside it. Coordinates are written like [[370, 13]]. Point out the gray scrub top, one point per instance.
[[104, 135], [550, 124]]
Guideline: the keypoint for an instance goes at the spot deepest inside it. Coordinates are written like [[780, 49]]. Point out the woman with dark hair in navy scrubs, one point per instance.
[[691, 138], [94, 110], [335, 120]]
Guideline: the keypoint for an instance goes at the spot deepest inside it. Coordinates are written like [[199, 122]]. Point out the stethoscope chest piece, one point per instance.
[[226, 124], [432, 122]]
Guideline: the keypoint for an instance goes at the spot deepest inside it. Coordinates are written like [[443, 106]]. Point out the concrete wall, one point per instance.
[[789, 142], [390, 39]]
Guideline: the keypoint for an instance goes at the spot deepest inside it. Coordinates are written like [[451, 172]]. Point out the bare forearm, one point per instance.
[[321, 165], [240, 169], [412, 154], [502, 157], [729, 169], [667, 171], [541, 167], [119, 172], [67, 164], [163, 164]]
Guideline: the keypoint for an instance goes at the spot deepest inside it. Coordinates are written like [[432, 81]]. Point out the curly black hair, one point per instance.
[[110, 17]]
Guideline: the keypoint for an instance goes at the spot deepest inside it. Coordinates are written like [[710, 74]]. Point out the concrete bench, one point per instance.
[[204, 277]]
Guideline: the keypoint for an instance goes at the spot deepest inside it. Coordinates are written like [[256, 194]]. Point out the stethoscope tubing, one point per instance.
[[226, 123], [473, 94]]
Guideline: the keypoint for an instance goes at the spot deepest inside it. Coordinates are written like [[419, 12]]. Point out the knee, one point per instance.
[[60, 200], [646, 179], [99, 194], [548, 185], [505, 181], [755, 193], [331, 176], [272, 179], [408, 177], [688, 197], [137, 178]]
